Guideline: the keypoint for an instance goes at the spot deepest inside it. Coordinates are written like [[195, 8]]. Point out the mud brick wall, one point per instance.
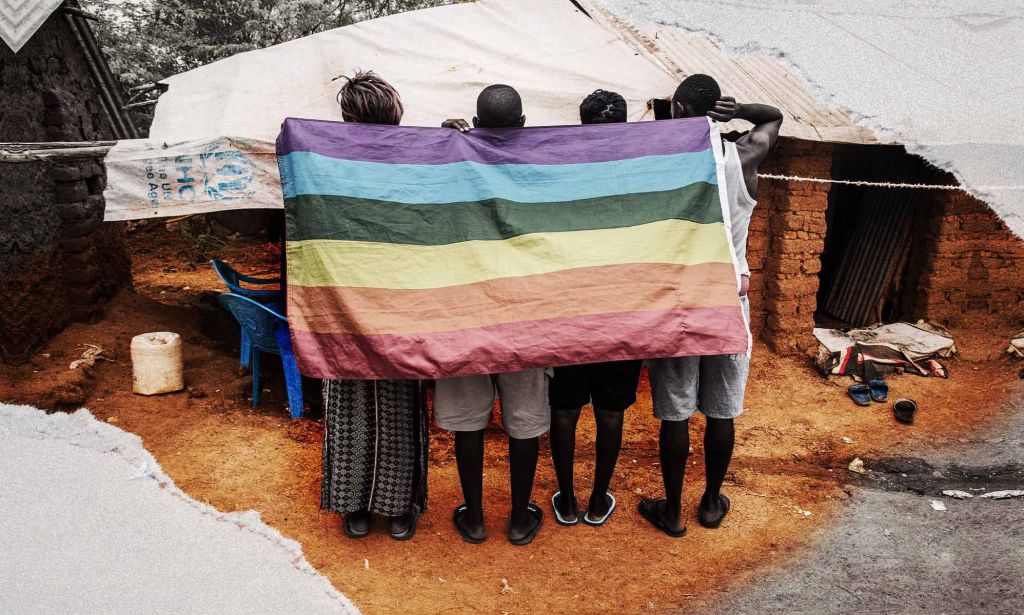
[[787, 236], [58, 262], [969, 267]]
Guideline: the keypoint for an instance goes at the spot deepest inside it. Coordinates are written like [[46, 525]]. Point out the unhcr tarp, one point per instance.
[[429, 253], [439, 59]]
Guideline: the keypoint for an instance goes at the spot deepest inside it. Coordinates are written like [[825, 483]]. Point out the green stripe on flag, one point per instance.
[[355, 219]]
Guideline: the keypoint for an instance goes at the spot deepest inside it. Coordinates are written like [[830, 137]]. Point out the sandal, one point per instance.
[[713, 524], [879, 390], [411, 530], [352, 533], [649, 510], [860, 394], [601, 520], [538, 514], [458, 512], [573, 519]]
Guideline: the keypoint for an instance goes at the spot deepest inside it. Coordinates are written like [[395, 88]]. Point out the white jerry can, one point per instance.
[[156, 363]]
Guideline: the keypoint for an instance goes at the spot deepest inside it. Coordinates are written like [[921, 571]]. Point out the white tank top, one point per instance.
[[741, 206]]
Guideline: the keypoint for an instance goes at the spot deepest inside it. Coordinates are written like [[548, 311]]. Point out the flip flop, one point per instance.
[[558, 516], [346, 527], [411, 530], [725, 511], [649, 510], [879, 391], [860, 394], [904, 410], [538, 514], [458, 512], [601, 520]]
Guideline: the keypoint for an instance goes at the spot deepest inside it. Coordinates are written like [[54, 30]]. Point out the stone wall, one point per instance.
[[58, 261]]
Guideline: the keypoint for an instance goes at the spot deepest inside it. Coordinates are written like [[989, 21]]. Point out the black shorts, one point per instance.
[[609, 386]]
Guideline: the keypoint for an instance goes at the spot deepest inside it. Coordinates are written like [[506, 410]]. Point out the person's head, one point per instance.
[[368, 99], [499, 106], [603, 107], [695, 96]]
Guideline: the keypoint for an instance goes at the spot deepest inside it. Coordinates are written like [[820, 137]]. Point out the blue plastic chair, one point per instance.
[[267, 332], [271, 296]]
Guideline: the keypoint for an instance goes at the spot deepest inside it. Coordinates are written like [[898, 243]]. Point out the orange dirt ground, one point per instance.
[[790, 458]]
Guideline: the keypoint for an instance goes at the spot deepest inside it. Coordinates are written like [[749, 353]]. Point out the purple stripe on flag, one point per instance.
[[540, 145]]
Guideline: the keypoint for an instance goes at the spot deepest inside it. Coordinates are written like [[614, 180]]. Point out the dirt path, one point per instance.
[[892, 552], [790, 460]]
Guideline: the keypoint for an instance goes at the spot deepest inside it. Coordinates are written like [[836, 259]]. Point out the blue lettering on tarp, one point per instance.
[[214, 174]]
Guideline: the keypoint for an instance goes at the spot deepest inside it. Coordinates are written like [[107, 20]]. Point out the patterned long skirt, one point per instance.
[[375, 446]]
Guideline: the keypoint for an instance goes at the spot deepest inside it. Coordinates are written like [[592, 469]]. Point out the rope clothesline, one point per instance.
[[30, 152], [852, 182]]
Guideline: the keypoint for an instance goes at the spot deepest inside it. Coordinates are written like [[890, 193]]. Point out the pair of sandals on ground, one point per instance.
[[562, 518], [650, 509], [403, 527], [877, 390]]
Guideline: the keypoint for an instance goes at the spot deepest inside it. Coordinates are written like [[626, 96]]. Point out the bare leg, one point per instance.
[[522, 458], [469, 456], [674, 446], [563, 450], [719, 437], [609, 442]]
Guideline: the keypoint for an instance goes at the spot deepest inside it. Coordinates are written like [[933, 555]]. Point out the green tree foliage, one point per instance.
[[148, 40]]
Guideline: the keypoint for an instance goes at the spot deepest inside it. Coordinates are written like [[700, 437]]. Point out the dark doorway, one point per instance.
[[870, 236]]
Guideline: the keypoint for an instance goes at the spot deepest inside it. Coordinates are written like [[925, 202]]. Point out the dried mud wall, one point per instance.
[[787, 236], [969, 266], [58, 262], [965, 267]]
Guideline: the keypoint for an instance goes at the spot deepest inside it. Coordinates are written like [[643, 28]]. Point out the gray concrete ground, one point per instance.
[[893, 553]]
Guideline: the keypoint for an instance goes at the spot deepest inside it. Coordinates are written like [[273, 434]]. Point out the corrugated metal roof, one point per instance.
[[752, 78]]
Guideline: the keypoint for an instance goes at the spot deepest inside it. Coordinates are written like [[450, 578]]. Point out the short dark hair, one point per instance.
[[499, 106], [368, 99], [603, 107], [699, 91]]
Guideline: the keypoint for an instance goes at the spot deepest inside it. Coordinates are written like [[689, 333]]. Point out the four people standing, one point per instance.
[[375, 436]]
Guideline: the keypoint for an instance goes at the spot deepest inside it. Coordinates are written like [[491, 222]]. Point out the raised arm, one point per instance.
[[767, 121], [754, 146], [762, 137]]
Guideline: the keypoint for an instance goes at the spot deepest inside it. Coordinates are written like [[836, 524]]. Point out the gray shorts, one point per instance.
[[713, 384], [464, 404]]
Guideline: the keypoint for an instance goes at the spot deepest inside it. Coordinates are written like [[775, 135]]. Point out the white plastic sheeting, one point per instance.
[[228, 113], [941, 76], [89, 523], [439, 59], [150, 179]]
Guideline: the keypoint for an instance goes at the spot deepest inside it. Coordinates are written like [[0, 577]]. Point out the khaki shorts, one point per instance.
[[464, 404], [713, 384]]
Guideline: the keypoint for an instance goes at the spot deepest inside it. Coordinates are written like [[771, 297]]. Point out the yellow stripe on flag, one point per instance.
[[321, 262]]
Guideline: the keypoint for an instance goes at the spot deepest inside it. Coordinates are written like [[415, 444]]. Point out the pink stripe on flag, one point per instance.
[[540, 343]]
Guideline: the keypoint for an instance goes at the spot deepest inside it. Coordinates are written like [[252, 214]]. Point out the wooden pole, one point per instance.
[[55, 150]]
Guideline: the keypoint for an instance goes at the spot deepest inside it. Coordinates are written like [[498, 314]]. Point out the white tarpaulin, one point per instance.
[[146, 179], [943, 77], [439, 59]]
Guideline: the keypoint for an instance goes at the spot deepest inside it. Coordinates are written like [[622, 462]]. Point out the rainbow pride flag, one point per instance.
[[428, 253]]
